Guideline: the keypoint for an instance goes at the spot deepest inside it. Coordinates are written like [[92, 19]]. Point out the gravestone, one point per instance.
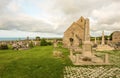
[[103, 46], [106, 58], [103, 39], [55, 43], [95, 41]]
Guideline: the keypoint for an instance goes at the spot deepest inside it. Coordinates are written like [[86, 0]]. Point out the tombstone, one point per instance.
[[55, 43], [103, 39], [27, 45], [108, 40], [95, 41], [106, 58]]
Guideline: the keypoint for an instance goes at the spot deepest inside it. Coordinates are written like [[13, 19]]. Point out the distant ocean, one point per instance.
[[11, 39]]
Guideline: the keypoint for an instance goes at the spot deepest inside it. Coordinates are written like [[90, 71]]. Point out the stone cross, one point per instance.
[[87, 31], [103, 39], [87, 48]]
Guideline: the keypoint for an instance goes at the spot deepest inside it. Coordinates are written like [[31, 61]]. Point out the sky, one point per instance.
[[50, 18]]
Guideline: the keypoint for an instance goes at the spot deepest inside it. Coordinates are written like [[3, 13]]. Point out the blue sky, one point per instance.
[[50, 18]]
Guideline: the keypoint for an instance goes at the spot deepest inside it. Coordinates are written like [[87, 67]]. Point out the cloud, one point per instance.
[[57, 15], [25, 24], [107, 18]]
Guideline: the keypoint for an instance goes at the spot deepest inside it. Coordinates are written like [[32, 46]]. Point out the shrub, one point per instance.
[[44, 42], [3, 46], [49, 43]]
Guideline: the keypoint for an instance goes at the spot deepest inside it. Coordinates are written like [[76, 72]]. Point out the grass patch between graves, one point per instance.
[[37, 62]]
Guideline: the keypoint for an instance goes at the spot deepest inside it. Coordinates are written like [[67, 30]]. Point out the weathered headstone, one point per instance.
[[103, 39], [95, 41]]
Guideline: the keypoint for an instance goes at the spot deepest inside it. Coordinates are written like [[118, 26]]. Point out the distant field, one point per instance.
[[39, 62]]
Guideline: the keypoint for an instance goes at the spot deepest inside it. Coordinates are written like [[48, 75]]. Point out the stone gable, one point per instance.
[[75, 32]]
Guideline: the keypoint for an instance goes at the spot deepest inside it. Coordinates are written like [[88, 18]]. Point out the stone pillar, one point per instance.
[[106, 58], [95, 41], [87, 31], [55, 43], [87, 48], [108, 40], [103, 39]]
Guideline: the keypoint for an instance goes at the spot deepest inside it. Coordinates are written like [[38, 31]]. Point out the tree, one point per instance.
[[37, 38]]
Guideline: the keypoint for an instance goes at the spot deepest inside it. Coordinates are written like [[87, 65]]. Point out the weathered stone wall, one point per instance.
[[116, 36], [76, 32]]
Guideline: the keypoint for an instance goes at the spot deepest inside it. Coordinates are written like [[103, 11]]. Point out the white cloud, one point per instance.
[[107, 17], [57, 15]]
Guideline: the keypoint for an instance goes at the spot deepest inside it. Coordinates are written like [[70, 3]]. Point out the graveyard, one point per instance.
[[75, 55], [39, 62], [59, 38]]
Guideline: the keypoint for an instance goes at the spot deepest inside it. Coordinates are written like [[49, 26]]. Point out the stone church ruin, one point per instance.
[[74, 35], [79, 33]]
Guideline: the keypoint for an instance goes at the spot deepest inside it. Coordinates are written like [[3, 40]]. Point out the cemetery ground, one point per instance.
[[39, 62]]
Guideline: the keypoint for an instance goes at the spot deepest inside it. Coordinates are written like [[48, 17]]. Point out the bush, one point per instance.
[[44, 42], [3, 46], [49, 43]]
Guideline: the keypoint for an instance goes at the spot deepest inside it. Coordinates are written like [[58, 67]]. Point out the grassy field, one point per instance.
[[37, 62]]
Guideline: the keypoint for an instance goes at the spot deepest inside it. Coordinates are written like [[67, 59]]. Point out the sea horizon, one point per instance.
[[12, 38], [21, 38]]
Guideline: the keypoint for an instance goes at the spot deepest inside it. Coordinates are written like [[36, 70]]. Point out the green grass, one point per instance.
[[37, 62]]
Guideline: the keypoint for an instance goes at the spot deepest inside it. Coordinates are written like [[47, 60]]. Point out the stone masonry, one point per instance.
[[75, 33]]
